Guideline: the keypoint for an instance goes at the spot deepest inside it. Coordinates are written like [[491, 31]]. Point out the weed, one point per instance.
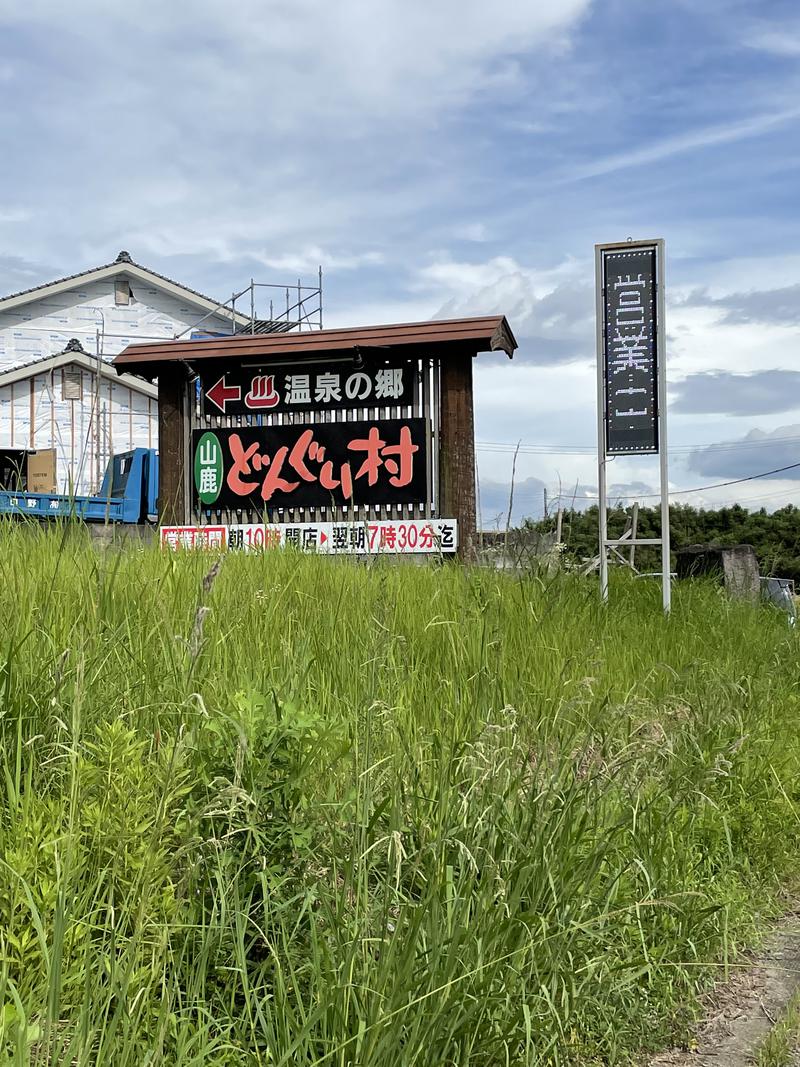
[[294, 811]]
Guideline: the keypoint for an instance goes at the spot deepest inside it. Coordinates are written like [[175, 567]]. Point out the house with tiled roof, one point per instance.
[[56, 390]]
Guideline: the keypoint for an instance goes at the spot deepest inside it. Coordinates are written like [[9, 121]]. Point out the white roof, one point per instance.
[[79, 359], [123, 264]]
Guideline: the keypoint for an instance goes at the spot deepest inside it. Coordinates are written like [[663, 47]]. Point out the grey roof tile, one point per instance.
[[123, 257]]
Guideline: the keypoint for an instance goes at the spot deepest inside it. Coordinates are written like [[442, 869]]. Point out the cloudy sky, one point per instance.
[[443, 158]]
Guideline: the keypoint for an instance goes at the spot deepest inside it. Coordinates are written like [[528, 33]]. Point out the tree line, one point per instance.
[[775, 535]]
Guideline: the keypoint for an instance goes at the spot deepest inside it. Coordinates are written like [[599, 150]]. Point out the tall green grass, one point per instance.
[[294, 810]]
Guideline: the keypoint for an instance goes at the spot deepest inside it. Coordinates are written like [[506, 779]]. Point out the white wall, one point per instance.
[[43, 327], [127, 419], [86, 433]]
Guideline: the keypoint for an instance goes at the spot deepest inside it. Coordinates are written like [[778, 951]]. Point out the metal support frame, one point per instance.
[[602, 459], [602, 505], [661, 309], [628, 542], [306, 311]]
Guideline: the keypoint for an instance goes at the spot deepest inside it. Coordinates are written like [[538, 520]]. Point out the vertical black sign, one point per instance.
[[630, 351]]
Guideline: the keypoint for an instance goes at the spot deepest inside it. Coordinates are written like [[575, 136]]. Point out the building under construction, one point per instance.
[[58, 392]]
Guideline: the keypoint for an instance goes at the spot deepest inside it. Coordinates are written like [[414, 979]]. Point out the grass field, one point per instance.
[[309, 812]]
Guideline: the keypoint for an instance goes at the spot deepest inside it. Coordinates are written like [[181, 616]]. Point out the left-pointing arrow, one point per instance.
[[219, 394]]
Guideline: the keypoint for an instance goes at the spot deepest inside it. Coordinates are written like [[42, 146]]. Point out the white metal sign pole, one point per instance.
[[601, 422], [661, 304]]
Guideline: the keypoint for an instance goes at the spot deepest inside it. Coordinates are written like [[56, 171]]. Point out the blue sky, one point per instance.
[[444, 158]]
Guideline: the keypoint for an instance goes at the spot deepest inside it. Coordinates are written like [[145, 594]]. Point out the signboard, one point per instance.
[[385, 536], [318, 387], [630, 350], [631, 384], [316, 465]]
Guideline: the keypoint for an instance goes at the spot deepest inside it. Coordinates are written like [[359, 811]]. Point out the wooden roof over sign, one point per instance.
[[486, 334]]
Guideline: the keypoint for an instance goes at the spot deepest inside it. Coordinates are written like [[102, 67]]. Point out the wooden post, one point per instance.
[[634, 528], [457, 450], [172, 437]]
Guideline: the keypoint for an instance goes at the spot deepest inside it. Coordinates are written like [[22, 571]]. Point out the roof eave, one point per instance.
[[185, 294], [110, 270], [489, 333], [86, 362], [503, 339]]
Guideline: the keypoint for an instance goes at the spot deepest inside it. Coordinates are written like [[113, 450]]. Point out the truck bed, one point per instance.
[[53, 505], [128, 494]]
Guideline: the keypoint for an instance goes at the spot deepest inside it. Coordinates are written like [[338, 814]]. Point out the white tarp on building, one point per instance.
[[48, 402]]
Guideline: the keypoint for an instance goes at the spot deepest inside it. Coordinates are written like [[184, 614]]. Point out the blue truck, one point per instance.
[[128, 494]]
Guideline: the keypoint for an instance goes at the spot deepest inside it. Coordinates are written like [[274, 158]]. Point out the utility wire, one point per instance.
[[588, 450], [681, 492]]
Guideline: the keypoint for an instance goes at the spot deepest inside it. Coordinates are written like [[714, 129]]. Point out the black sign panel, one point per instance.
[[304, 387], [630, 351], [257, 467]]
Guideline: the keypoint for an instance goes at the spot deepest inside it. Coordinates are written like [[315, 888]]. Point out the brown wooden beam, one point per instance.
[[489, 333], [172, 436], [457, 450]]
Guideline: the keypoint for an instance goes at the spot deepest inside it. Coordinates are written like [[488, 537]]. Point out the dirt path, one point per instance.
[[742, 1011]]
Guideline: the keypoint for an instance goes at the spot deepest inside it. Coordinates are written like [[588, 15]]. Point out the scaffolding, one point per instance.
[[303, 309], [88, 429]]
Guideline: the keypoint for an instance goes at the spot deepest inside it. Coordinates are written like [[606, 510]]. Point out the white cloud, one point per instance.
[[348, 58], [699, 340], [706, 137], [459, 280], [258, 131], [307, 260], [12, 215], [555, 405], [734, 273], [550, 311], [472, 231], [550, 408], [778, 40], [369, 312]]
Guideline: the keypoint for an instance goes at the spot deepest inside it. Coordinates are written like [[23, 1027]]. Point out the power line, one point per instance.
[[590, 450], [737, 481], [683, 492], [747, 500]]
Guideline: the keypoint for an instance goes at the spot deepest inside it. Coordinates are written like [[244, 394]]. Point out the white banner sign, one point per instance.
[[387, 536]]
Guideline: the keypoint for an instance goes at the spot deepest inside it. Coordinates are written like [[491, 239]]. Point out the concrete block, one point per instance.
[[735, 566]]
